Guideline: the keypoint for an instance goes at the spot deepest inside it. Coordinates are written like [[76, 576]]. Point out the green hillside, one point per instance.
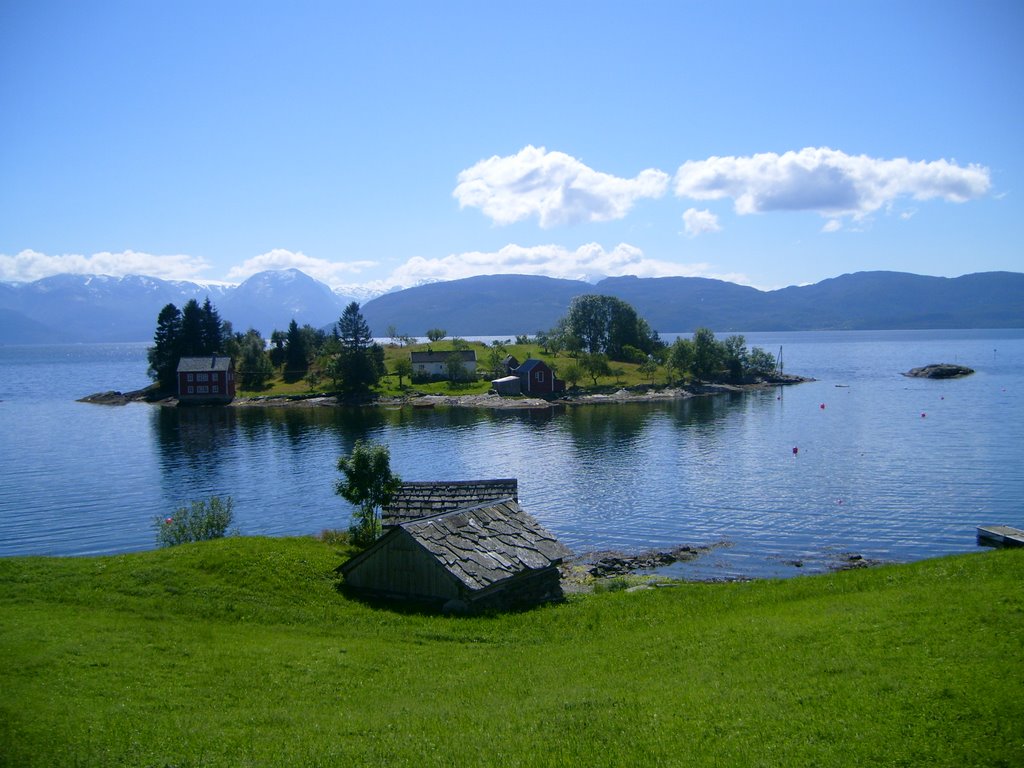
[[242, 652]]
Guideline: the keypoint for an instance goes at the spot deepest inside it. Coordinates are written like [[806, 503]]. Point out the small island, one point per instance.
[[939, 371], [601, 351]]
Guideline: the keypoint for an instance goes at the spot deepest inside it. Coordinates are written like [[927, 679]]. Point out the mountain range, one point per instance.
[[91, 308]]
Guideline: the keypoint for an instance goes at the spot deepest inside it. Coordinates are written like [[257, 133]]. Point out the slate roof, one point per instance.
[[484, 545], [205, 363], [416, 500]]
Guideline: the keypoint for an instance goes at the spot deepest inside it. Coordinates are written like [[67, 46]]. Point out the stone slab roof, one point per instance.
[[484, 545], [205, 363], [416, 500]]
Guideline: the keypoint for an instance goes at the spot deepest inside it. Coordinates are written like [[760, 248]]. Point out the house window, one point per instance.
[[191, 390], [189, 377], [540, 376], [202, 377], [203, 390], [216, 389]]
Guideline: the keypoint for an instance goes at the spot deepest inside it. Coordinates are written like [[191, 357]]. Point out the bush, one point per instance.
[[200, 522]]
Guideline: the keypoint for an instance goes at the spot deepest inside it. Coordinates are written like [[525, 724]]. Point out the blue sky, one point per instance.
[[385, 144]]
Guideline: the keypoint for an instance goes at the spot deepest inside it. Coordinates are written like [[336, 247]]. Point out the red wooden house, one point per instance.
[[537, 378], [209, 379]]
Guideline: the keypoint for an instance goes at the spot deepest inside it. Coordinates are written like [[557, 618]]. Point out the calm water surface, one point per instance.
[[891, 468]]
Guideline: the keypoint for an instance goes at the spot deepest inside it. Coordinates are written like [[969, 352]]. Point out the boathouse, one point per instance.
[[208, 379], [489, 557]]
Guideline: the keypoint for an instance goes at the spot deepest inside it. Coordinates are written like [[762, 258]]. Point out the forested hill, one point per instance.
[[77, 308], [511, 304]]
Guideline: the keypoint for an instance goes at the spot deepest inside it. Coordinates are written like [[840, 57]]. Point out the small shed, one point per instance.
[[537, 378], [494, 556], [509, 364], [414, 500], [507, 385], [207, 379]]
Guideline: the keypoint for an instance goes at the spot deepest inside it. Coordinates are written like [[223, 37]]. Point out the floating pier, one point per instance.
[[1000, 536]]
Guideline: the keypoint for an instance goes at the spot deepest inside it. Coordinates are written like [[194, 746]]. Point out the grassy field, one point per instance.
[[626, 374], [242, 652]]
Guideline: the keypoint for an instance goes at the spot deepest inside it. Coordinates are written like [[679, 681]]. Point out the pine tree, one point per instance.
[[166, 350]]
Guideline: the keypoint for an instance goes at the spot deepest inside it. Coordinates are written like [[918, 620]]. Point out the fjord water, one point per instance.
[[884, 466]]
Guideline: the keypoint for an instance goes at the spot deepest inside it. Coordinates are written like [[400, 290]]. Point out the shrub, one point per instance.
[[200, 522]]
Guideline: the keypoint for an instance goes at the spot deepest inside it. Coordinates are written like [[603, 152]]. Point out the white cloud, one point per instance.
[[589, 262], [554, 187], [827, 181], [832, 225], [29, 265], [330, 272], [700, 222]]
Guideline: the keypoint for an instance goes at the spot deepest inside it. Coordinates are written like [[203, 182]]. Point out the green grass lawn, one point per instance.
[[241, 652]]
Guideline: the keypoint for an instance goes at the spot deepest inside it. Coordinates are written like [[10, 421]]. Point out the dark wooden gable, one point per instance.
[[425, 499]]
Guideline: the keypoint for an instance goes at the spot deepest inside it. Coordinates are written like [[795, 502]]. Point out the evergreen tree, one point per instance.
[[296, 353], [192, 330], [360, 362], [166, 350], [211, 330]]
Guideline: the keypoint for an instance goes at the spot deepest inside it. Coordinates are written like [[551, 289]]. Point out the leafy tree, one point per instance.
[[707, 354], [648, 368], [761, 363], [456, 368], [607, 325], [402, 367], [734, 356], [680, 357], [572, 374], [595, 366], [166, 350], [254, 367], [277, 341], [436, 334], [370, 485], [360, 362]]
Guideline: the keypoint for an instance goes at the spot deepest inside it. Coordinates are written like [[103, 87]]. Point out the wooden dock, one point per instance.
[[1000, 536]]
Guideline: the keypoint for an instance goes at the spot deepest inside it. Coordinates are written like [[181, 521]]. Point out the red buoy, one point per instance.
[[822, 406], [795, 450]]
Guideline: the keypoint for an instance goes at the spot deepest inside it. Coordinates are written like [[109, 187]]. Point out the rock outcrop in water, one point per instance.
[[939, 371]]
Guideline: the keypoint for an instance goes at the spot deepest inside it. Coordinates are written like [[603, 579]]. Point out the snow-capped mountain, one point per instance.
[[94, 308]]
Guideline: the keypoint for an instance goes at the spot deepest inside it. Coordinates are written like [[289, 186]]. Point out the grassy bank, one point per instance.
[[242, 652]]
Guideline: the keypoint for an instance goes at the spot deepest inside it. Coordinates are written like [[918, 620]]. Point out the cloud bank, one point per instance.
[[29, 265], [590, 262], [553, 186], [826, 181]]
